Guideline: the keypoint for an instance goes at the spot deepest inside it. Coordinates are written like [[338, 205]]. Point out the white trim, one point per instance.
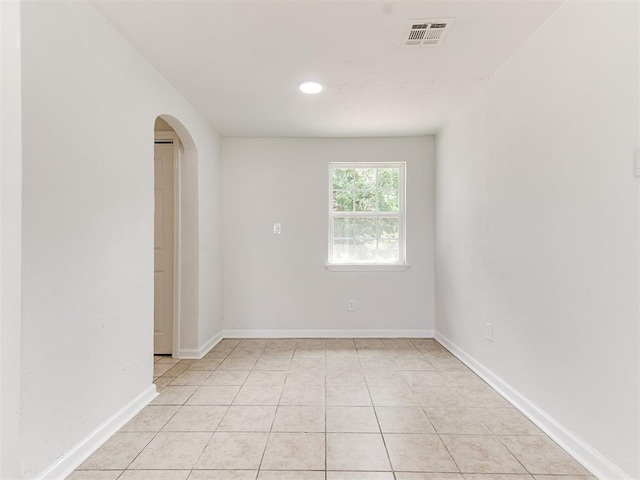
[[335, 267], [198, 353], [327, 333], [82, 450], [584, 453]]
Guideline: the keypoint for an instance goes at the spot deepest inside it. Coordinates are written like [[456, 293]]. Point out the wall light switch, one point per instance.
[[488, 333], [277, 229]]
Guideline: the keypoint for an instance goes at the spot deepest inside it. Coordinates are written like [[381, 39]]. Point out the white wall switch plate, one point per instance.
[[277, 229], [351, 305], [488, 332]]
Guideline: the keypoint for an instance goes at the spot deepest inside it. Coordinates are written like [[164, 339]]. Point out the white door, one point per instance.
[[164, 158]]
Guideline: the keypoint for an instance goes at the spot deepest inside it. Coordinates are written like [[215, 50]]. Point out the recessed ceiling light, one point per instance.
[[310, 87]]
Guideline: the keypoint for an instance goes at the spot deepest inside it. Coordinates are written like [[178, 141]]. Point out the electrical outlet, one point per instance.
[[488, 331], [277, 229], [351, 305]]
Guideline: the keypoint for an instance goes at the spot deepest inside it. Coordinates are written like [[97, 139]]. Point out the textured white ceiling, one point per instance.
[[239, 62]]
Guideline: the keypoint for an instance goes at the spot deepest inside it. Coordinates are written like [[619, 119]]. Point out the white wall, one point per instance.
[[537, 227], [279, 282], [10, 239], [89, 106]]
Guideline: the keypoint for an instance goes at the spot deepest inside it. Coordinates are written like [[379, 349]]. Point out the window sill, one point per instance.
[[332, 267]]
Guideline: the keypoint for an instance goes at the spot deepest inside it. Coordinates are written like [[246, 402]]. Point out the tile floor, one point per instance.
[[334, 409]]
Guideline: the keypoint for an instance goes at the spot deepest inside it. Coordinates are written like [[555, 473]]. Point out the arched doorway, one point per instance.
[[175, 236]]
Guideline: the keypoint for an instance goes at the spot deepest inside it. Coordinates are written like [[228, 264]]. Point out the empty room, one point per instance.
[[319, 240]]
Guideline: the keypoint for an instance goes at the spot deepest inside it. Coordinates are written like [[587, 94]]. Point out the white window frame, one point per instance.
[[401, 264]]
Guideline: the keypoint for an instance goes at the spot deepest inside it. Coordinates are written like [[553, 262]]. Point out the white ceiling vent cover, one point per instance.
[[426, 32]]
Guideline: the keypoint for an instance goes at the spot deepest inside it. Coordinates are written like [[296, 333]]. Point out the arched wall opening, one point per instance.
[[185, 248]]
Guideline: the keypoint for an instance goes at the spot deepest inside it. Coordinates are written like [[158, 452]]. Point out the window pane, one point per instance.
[[389, 239], [366, 201], [343, 179], [365, 178], [342, 201], [388, 178], [388, 201], [342, 240], [365, 232]]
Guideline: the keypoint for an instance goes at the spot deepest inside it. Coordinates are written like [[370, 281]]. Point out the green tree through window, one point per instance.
[[366, 213]]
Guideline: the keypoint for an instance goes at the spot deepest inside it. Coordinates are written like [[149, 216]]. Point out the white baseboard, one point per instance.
[[198, 353], [584, 453], [78, 454], [302, 333]]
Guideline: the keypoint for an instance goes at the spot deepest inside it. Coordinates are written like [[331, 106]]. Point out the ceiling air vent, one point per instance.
[[426, 32]]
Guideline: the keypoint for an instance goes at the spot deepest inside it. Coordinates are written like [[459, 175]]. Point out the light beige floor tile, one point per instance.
[[306, 377], [266, 378], [418, 453], [379, 363], [352, 420], [151, 419], [304, 364], [379, 378], [166, 359], [499, 476], [448, 364], [564, 477], [237, 363], [463, 379], [206, 364], [414, 364], [177, 369], [430, 476], [369, 343], [161, 368], [196, 418], [392, 396], [310, 395], [481, 454], [174, 395], [348, 396], [340, 344], [94, 475], [233, 451], [191, 377], [294, 451], [439, 396], [273, 363], [456, 420], [403, 420], [299, 419], [223, 475], [482, 396], [214, 395], [118, 452], [356, 451], [291, 475], [227, 377], [162, 382], [248, 419], [155, 475], [360, 476], [342, 378], [254, 395], [172, 451], [424, 379], [506, 421], [336, 363], [540, 455]]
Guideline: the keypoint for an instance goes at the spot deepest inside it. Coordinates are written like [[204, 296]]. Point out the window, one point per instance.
[[366, 214]]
